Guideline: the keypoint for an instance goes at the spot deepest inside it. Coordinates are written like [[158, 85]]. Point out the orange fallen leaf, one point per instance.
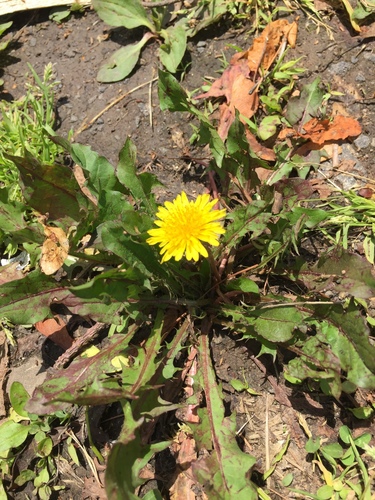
[[54, 250], [338, 129], [55, 329], [321, 132]]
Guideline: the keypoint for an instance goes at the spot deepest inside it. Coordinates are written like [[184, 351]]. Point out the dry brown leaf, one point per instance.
[[238, 83], [10, 273], [261, 151], [55, 329], [323, 131], [185, 453], [322, 187], [55, 250], [3, 369], [80, 178], [265, 48]]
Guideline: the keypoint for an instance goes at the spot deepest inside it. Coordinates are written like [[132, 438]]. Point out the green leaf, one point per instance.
[[122, 62], [312, 445], [172, 96], [18, 397], [334, 450], [52, 190], [133, 252], [127, 174], [127, 458], [12, 435], [127, 13], [172, 51], [325, 492], [362, 413], [226, 468], [302, 108], [100, 174], [44, 447], [28, 300], [243, 284], [278, 323], [5, 26], [340, 271], [268, 126], [24, 477]]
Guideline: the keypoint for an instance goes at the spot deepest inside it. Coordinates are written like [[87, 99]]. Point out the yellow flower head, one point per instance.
[[184, 224]]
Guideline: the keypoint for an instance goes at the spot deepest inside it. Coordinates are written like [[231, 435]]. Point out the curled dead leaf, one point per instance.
[[55, 250], [55, 329]]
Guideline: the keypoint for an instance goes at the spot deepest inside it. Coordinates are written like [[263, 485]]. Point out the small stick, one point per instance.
[[162, 3], [266, 440], [150, 100], [86, 125], [78, 344]]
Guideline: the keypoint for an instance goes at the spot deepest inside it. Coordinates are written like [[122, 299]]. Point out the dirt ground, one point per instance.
[[77, 48]]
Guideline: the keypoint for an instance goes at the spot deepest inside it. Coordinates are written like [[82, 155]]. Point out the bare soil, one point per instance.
[[77, 48]]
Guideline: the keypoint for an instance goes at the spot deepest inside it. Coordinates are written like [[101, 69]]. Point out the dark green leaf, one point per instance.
[[171, 95]]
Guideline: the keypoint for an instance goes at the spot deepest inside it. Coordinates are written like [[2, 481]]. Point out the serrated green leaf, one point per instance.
[[126, 459], [100, 174], [226, 468]]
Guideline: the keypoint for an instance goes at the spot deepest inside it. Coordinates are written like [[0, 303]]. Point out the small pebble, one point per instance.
[[32, 41], [369, 56], [340, 68], [360, 78], [363, 141], [70, 53], [73, 119]]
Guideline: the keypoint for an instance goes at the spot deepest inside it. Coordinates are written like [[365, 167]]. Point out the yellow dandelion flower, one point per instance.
[[184, 224]]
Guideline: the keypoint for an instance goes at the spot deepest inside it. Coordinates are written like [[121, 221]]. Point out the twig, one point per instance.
[[162, 3], [78, 344], [89, 460], [266, 441], [86, 125], [150, 100]]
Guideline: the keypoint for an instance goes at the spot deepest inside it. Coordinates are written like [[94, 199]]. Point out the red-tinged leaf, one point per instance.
[[52, 190], [87, 381], [28, 300]]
